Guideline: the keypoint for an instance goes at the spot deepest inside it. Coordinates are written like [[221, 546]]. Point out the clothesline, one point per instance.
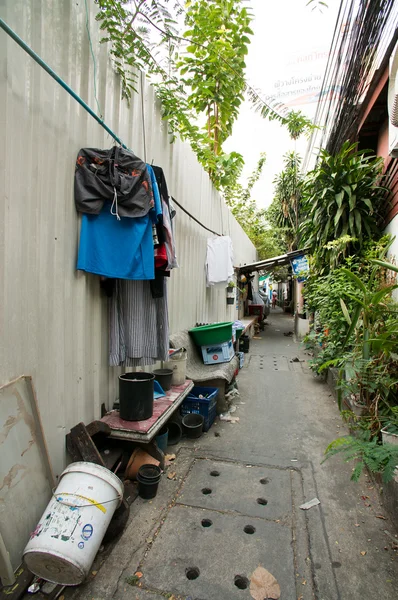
[[195, 219], [70, 91], [58, 79]]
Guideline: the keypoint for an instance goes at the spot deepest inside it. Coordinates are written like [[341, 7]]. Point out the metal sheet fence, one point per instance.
[[54, 319]]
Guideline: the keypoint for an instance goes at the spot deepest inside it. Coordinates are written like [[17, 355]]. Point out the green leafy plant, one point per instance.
[[341, 197], [378, 458], [213, 64], [298, 124], [323, 294], [285, 210], [371, 368], [198, 72]]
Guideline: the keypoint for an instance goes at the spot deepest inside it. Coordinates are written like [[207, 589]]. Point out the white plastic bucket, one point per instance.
[[63, 546], [178, 364]]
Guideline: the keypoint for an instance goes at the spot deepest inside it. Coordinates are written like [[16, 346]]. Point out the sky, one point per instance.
[[287, 59]]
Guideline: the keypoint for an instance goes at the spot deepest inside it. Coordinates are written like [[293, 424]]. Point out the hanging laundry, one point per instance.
[[219, 260], [122, 249], [139, 328], [156, 211], [169, 243], [165, 259], [116, 176]]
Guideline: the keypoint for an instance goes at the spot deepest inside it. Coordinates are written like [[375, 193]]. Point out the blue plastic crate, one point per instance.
[[207, 407]]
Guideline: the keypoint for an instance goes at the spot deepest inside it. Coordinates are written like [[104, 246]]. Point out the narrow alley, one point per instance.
[[235, 502]]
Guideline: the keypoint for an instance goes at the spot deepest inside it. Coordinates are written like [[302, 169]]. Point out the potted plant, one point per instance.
[[389, 433], [231, 292]]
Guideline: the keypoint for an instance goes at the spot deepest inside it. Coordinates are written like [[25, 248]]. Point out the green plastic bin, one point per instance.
[[238, 333], [207, 335]]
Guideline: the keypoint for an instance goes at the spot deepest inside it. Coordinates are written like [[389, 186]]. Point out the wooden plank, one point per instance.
[[147, 437], [72, 450], [98, 427], [85, 445]]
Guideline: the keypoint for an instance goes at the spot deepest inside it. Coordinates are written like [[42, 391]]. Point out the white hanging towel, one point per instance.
[[219, 260]]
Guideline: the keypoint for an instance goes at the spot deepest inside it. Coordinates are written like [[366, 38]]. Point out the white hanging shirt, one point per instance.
[[219, 260]]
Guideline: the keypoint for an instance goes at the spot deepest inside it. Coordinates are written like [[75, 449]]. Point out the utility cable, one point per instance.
[[194, 218]]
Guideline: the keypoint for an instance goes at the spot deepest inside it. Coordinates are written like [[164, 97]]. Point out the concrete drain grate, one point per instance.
[[262, 501], [192, 573], [215, 473], [207, 522], [206, 491], [241, 582]]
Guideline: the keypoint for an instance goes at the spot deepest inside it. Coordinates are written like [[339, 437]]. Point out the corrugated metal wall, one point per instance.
[[54, 319]]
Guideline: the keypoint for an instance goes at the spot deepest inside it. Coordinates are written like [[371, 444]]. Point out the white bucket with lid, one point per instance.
[[63, 546], [178, 364]]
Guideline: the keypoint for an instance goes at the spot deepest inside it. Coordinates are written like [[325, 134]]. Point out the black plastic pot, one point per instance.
[[163, 376], [162, 439], [193, 425], [136, 396], [148, 478], [175, 430], [244, 344]]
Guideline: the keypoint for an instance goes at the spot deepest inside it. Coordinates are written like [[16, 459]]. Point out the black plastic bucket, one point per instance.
[[148, 478], [136, 396], [175, 429], [244, 344], [162, 439], [163, 376], [193, 425]]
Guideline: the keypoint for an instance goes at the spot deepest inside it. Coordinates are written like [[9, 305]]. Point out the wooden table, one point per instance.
[[145, 431]]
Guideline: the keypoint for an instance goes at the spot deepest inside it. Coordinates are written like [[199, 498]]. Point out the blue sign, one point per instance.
[[300, 266]]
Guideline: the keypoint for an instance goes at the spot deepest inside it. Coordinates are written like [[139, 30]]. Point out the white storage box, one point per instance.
[[219, 353]]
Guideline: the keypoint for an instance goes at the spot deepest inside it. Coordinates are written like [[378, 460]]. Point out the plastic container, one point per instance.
[[256, 309], [219, 353], [162, 439], [207, 407], [148, 478], [244, 344], [178, 363], [175, 430], [163, 376], [138, 458], [238, 333], [217, 333], [68, 536], [136, 396], [193, 425]]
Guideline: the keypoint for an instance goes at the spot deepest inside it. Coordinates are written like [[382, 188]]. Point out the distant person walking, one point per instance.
[[274, 298]]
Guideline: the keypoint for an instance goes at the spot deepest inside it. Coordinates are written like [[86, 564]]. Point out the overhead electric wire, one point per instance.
[[368, 29]]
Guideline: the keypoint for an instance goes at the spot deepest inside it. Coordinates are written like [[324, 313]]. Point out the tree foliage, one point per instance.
[[253, 220], [213, 64], [341, 197], [198, 72], [285, 211]]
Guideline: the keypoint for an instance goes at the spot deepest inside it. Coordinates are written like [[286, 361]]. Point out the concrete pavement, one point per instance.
[[234, 504]]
